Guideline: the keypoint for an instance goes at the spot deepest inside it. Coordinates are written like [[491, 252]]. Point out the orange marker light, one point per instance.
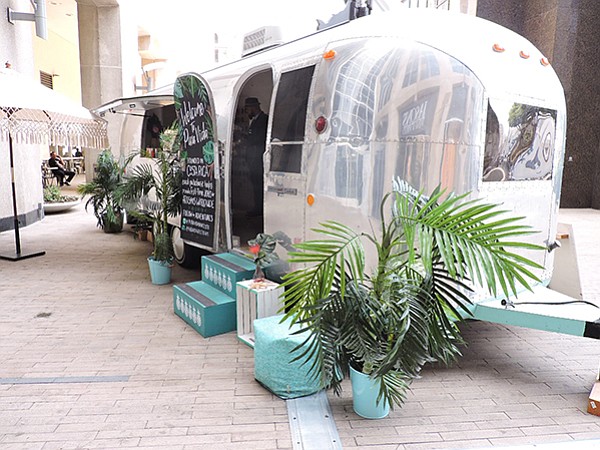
[[310, 199], [523, 54], [544, 62], [330, 54], [497, 48]]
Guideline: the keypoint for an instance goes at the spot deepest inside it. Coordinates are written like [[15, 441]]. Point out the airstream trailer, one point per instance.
[[432, 97]]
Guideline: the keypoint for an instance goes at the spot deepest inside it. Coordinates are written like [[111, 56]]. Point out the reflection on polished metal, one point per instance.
[[405, 95], [519, 142]]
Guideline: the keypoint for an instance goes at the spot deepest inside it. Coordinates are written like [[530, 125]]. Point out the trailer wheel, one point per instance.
[[185, 255]]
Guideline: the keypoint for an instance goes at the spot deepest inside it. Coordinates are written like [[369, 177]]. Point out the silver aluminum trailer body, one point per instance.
[[434, 98]]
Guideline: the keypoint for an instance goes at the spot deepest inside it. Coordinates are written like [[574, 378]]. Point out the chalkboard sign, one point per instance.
[[196, 117]]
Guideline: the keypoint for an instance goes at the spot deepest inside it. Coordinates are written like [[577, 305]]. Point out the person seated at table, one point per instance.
[[60, 171]]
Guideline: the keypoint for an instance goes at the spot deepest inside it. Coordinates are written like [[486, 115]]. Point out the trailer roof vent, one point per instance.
[[261, 39]]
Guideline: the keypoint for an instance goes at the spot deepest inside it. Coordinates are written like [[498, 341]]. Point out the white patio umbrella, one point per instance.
[[33, 114]]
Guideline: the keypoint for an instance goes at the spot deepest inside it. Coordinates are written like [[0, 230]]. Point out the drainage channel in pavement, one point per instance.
[[312, 424], [49, 380]]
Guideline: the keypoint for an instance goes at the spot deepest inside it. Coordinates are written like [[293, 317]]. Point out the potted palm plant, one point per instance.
[[102, 192], [385, 326], [158, 184]]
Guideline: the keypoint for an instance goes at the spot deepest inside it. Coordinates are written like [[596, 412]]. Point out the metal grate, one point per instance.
[[312, 424], [47, 79]]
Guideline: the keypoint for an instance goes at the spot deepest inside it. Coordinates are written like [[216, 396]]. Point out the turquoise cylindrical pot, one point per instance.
[[160, 271], [364, 396]]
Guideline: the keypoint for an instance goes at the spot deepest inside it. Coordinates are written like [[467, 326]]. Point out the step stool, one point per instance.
[[206, 309], [224, 270], [209, 306]]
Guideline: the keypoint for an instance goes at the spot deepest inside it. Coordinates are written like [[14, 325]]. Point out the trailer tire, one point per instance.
[[186, 255]]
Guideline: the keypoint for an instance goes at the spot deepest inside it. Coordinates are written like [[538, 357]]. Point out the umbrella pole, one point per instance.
[[18, 255]]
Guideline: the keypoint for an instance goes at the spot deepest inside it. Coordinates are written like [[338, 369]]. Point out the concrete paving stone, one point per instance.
[[584, 436], [142, 432], [554, 412], [272, 418], [577, 417], [464, 444], [398, 439], [213, 439], [101, 444], [49, 437], [234, 428], [28, 419], [530, 440], [370, 447], [175, 416], [102, 426], [439, 427], [257, 438], [482, 417], [263, 445], [516, 423], [26, 429], [16, 406], [489, 433], [538, 399], [496, 407], [23, 446], [468, 405], [188, 422], [214, 409], [557, 429]]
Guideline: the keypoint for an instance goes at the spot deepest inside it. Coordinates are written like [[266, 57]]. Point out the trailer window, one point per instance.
[[519, 142], [289, 120]]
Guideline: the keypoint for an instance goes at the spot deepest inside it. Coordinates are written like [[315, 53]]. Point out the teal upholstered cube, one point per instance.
[[273, 366]]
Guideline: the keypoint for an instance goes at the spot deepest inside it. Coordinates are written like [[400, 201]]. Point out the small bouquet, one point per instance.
[[262, 247]]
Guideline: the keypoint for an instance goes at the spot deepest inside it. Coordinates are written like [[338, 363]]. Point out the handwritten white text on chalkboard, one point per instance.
[[188, 112], [194, 133]]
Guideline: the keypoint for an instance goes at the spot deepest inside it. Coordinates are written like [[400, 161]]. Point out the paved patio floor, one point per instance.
[[92, 356]]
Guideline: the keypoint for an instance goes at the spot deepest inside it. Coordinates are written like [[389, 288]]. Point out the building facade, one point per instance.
[[566, 32], [103, 60]]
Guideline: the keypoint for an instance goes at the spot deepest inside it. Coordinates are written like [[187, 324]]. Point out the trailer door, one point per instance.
[[285, 160]]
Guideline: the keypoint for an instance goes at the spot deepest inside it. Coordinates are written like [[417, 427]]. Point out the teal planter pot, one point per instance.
[[364, 396], [160, 271]]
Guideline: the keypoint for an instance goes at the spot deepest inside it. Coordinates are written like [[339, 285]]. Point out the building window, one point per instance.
[[46, 79]]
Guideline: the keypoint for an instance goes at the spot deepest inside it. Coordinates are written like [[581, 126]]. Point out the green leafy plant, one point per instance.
[[158, 184], [53, 194], [389, 323], [263, 248], [102, 190]]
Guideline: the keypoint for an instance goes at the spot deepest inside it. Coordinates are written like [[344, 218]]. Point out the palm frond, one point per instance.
[[389, 324]]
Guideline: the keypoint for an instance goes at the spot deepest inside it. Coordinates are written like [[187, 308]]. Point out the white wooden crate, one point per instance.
[[255, 300]]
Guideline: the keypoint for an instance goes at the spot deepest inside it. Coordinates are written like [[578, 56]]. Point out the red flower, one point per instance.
[[254, 249]]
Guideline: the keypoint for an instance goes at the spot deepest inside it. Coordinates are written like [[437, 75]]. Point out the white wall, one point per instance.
[[17, 48]]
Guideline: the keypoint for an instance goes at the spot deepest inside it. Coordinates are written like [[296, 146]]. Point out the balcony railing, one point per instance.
[[435, 4]]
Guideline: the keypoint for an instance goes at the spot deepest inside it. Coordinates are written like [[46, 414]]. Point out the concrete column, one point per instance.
[[99, 51], [101, 63]]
